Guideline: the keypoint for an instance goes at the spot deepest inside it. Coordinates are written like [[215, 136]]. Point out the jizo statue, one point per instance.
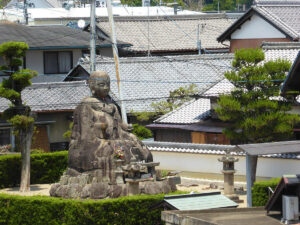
[[97, 133]]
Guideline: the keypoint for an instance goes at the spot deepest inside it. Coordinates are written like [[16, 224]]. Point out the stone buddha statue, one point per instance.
[[97, 132]]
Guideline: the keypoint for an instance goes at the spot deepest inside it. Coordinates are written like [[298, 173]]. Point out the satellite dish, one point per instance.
[[81, 23]]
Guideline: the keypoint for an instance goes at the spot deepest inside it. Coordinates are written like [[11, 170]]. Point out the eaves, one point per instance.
[[76, 47]]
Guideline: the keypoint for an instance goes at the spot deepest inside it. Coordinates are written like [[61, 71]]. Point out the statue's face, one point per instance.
[[100, 87]]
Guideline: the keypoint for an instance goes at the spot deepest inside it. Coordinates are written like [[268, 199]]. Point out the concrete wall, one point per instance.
[[208, 163]]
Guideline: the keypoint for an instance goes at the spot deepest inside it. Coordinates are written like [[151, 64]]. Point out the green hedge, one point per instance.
[[47, 210], [45, 168], [260, 191]]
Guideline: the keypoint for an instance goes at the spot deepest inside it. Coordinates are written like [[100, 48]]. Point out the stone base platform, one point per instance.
[[87, 186]]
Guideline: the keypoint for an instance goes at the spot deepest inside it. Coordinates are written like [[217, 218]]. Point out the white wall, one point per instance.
[[257, 28], [207, 163]]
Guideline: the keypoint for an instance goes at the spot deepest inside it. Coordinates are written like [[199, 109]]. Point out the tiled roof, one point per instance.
[[222, 87], [205, 149], [283, 14], [52, 96], [147, 80], [40, 37], [171, 34], [38, 3], [281, 50], [195, 111], [191, 112]]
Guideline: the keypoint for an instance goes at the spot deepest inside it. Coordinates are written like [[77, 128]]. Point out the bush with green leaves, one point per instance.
[[141, 131], [45, 168], [260, 191], [47, 210]]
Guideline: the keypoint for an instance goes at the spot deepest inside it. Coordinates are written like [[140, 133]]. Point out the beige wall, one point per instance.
[[252, 43]]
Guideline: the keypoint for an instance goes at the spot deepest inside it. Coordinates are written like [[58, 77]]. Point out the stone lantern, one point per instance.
[[228, 171]]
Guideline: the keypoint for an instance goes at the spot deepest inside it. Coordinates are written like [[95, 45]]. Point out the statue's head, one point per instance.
[[99, 84]]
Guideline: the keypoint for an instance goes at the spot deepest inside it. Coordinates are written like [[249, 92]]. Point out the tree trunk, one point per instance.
[[25, 145], [253, 161]]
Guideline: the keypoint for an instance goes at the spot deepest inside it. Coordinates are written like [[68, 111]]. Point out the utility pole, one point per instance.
[[25, 12], [198, 40], [116, 57], [148, 28], [93, 36]]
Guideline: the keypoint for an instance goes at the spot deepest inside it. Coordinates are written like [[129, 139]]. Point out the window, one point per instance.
[[57, 62], [4, 136]]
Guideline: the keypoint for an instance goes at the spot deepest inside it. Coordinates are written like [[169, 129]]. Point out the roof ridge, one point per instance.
[[276, 3], [171, 17], [57, 84], [280, 45], [164, 58]]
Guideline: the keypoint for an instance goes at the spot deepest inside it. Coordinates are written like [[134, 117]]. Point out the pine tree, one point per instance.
[[255, 109], [18, 114]]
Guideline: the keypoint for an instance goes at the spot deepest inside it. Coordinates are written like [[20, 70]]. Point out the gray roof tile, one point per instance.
[[191, 112], [46, 36], [147, 80], [171, 34], [281, 50], [59, 96]]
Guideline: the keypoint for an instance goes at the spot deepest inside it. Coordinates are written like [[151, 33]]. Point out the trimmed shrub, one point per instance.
[[45, 168], [260, 191], [47, 210], [141, 131]]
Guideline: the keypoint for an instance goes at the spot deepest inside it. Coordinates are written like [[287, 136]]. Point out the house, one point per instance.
[[272, 21], [291, 85], [193, 122], [196, 122], [150, 79], [35, 4], [52, 49], [62, 16], [54, 104], [170, 35]]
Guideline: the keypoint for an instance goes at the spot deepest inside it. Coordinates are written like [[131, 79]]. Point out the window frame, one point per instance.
[[57, 58]]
